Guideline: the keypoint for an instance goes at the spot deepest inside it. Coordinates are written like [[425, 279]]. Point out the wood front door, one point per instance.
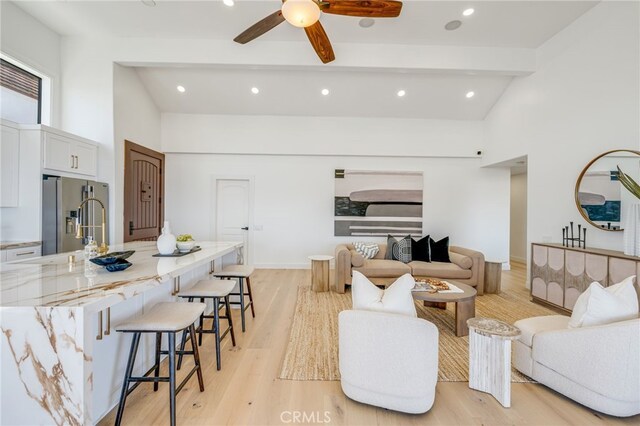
[[143, 193]]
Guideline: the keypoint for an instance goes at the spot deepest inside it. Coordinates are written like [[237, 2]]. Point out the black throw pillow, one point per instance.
[[388, 255], [399, 249], [420, 249], [439, 250]]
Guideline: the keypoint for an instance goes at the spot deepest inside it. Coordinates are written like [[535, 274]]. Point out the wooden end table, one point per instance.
[[320, 272], [490, 357], [465, 304]]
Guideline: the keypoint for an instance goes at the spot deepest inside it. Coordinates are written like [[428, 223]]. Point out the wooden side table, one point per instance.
[[492, 277], [320, 272], [490, 357]]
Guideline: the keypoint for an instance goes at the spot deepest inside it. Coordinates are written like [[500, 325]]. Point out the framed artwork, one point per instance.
[[377, 203]]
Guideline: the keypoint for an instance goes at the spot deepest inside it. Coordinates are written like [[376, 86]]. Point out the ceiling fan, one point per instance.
[[306, 14]]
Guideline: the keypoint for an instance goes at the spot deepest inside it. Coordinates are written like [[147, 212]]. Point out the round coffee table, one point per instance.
[[465, 304]]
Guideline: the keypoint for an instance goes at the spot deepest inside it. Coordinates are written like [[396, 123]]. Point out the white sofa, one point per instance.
[[597, 366], [388, 360]]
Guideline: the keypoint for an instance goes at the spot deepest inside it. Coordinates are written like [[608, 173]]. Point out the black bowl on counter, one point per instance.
[[119, 265], [112, 258]]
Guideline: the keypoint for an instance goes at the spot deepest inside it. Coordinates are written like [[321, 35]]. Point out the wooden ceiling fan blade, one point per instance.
[[364, 8], [320, 42], [260, 27]]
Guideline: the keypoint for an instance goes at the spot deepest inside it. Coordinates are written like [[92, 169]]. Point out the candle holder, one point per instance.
[[569, 240]]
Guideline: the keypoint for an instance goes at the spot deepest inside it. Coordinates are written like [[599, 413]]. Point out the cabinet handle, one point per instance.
[[72, 161], [24, 253], [107, 331], [99, 336], [176, 286], [76, 161]]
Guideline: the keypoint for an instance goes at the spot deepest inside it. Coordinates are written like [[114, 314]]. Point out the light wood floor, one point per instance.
[[247, 392]]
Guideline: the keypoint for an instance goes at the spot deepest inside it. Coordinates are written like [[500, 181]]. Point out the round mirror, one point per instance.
[[600, 197]]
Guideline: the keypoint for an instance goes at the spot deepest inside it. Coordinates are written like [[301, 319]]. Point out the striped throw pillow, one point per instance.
[[367, 250]]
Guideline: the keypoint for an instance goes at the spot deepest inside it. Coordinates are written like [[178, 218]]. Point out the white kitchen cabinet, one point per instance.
[[9, 165], [69, 154], [22, 253]]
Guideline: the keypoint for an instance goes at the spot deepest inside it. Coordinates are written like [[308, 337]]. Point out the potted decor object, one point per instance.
[[166, 241], [185, 243], [631, 224]]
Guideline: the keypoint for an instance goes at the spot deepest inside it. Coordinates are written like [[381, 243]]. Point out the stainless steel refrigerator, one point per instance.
[[61, 197]]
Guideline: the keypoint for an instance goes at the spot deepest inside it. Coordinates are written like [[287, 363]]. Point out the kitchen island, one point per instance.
[[61, 361]]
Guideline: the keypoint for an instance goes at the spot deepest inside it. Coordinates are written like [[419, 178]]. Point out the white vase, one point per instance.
[[166, 241], [631, 231]]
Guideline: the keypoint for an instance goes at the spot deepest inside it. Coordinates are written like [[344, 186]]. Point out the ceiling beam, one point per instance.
[[360, 57]]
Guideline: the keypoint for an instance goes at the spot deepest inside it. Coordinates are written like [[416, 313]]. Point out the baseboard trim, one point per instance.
[[517, 259]]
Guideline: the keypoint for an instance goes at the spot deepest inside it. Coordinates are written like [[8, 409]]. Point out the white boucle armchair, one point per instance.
[[597, 366], [388, 360]]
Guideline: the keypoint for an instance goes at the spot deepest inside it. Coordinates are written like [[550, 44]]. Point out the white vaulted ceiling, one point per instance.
[[494, 23], [298, 92], [413, 52]]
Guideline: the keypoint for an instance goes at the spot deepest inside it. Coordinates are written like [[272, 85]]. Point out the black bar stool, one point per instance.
[[170, 318], [241, 273], [219, 291]]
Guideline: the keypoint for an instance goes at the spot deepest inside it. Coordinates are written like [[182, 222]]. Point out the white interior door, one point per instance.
[[233, 200]]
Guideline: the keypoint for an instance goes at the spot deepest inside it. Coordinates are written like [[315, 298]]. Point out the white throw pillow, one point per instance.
[[599, 305], [367, 250], [397, 298]]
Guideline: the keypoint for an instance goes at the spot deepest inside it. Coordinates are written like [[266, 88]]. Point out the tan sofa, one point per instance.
[[467, 267]]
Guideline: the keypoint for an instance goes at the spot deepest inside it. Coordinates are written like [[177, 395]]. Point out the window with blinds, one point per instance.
[[20, 94]]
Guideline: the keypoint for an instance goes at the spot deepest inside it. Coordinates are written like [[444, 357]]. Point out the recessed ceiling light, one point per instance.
[[453, 25], [181, 89], [366, 22], [231, 3], [468, 12], [150, 3], [325, 92], [401, 93], [470, 94], [255, 90]]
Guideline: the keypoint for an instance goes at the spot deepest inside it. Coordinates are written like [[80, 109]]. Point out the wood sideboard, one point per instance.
[[560, 274]]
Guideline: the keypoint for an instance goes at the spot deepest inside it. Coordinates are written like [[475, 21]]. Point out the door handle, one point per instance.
[[130, 227], [245, 228]]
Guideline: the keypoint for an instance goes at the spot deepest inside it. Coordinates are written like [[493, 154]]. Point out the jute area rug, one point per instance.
[[312, 352]]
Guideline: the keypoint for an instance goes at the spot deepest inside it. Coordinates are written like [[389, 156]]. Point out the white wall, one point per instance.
[[271, 135], [294, 193], [518, 218], [583, 100], [27, 40], [294, 201], [135, 118]]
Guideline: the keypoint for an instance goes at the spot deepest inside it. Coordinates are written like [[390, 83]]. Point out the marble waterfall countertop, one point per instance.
[[51, 281]]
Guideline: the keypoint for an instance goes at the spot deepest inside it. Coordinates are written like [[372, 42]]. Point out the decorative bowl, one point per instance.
[[185, 246], [119, 265], [111, 258]]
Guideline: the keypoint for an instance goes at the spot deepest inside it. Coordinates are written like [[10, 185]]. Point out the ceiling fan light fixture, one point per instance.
[[301, 13]]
